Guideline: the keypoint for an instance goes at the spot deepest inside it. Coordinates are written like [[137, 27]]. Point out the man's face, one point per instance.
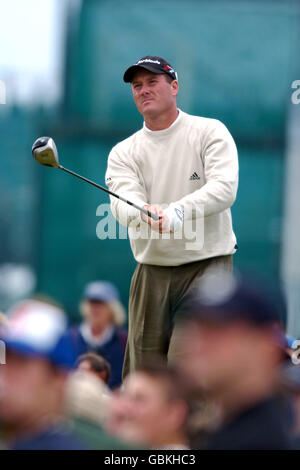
[[25, 385], [86, 366], [152, 93], [215, 356], [145, 414]]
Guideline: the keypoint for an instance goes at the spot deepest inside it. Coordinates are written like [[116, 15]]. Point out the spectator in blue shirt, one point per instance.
[[101, 330]]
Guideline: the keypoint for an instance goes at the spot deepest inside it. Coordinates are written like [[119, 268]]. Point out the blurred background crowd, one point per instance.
[[236, 383]]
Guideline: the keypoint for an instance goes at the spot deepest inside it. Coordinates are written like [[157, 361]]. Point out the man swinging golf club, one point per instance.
[[180, 167]]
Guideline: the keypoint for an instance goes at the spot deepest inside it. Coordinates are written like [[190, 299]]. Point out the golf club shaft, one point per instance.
[[148, 213]]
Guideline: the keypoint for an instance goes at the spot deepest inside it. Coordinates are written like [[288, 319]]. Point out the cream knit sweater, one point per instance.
[[192, 163]]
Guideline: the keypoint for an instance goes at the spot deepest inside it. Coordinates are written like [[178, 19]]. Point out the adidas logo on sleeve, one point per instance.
[[194, 176]]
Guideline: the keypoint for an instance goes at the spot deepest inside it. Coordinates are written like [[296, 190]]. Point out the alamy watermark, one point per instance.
[[2, 92], [295, 98], [191, 230]]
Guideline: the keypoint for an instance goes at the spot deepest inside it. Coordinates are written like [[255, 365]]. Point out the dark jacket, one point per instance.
[[264, 426], [55, 438], [113, 351]]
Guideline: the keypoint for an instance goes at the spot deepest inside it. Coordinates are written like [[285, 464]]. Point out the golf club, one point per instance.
[[45, 152]]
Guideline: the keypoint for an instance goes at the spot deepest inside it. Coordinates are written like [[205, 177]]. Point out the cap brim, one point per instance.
[[225, 314], [128, 75], [94, 298], [59, 357], [22, 349]]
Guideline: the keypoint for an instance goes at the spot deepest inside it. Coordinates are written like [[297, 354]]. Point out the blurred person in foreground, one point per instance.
[[101, 330], [231, 348], [152, 408], [86, 405], [39, 356], [94, 364]]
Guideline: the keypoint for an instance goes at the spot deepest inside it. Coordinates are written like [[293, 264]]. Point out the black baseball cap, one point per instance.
[[152, 63], [224, 298]]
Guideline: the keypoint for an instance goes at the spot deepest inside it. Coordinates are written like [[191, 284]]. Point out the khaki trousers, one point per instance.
[[156, 293]]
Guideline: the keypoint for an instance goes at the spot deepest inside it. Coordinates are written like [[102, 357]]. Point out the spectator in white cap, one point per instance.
[[101, 331], [39, 356]]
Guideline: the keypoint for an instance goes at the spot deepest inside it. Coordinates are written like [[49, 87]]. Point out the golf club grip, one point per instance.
[[145, 211]]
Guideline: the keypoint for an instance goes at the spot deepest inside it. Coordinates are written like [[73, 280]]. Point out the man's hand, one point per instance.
[[162, 225], [175, 215], [169, 220]]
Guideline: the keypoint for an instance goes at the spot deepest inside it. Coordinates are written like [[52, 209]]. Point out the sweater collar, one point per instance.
[[166, 131], [99, 340]]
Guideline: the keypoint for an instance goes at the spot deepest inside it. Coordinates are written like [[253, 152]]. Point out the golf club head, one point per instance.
[[45, 152]]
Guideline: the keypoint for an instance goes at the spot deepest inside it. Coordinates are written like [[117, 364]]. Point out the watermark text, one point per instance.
[[190, 231], [295, 98]]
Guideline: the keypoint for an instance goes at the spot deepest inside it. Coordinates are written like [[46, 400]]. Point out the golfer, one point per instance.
[[183, 168]]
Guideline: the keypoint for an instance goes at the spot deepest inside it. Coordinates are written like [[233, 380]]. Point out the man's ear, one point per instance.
[[174, 86]]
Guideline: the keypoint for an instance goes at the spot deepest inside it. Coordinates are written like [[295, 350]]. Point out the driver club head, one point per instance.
[[45, 152]]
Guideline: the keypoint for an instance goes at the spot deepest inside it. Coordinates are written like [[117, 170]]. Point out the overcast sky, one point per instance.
[[32, 49]]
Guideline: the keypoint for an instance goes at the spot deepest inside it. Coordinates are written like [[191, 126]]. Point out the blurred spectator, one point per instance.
[[230, 347], [152, 409], [39, 355], [86, 405], [87, 396], [95, 364], [293, 349], [101, 330]]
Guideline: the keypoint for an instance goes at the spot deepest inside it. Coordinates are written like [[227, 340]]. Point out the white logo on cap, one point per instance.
[[148, 60]]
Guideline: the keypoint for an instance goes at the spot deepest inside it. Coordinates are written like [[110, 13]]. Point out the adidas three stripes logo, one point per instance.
[[194, 176]]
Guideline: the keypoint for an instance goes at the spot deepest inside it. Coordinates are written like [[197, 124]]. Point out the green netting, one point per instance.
[[257, 213], [18, 192], [235, 60]]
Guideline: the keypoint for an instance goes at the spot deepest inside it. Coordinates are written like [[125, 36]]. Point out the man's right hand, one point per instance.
[[162, 225]]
